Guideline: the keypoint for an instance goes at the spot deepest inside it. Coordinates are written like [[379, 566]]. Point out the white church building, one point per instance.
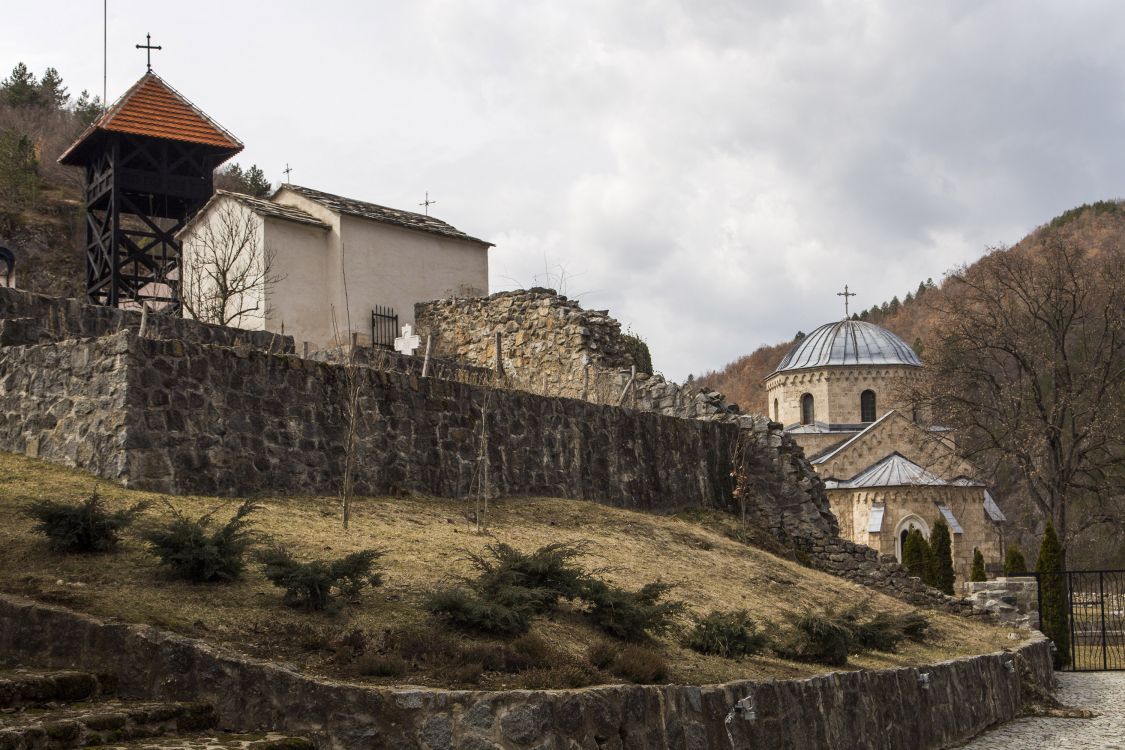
[[317, 266]]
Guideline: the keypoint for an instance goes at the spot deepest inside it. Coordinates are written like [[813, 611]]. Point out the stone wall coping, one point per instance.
[[903, 707]]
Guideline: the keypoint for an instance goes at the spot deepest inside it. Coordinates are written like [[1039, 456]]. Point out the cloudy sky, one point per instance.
[[712, 172]]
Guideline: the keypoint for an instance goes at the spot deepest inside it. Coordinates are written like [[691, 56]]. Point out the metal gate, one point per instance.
[[1095, 616], [384, 327]]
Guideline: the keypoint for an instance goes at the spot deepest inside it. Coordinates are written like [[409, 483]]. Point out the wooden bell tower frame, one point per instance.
[[149, 164]]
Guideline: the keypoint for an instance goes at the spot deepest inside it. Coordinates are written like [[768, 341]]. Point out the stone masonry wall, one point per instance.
[[1014, 601], [27, 318], [911, 708], [65, 403]]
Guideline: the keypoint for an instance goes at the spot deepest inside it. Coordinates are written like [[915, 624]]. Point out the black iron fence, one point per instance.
[[384, 327], [1094, 611]]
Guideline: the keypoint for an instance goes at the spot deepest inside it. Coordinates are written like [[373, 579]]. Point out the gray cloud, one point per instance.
[[711, 172]]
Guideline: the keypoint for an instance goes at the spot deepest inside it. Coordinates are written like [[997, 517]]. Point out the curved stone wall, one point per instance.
[[925, 707]]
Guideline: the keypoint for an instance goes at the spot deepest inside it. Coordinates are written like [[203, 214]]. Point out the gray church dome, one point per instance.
[[849, 342]]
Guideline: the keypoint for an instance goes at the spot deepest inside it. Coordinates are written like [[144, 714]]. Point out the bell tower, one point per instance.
[[149, 163]]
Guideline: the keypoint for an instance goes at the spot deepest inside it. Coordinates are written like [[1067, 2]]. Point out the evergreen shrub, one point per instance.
[[191, 551], [84, 527], [916, 555], [729, 634], [942, 576], [1052, 591], [1014, 562], [631, 615], [977, 575], [314, 585]]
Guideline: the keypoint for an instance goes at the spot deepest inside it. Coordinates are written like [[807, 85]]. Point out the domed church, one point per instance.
[[841, 393]]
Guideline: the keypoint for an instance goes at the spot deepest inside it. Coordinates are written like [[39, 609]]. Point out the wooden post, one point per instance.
[[426, 359], [625, 390], [498, 364], [144, 320]]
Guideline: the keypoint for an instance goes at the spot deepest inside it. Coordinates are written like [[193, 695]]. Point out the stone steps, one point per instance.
[[21, 687], [219, 742], [100, 723]]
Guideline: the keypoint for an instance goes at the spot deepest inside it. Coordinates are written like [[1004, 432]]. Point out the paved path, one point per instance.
[[1102, 692]]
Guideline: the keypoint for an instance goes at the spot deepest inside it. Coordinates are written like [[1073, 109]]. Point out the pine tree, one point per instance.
[[19, 168], [1052, 593], [1014, 562], [941, 545], [800, 336], [52, 92], [917, 346], [916, 555], [894, 306], [908, 298], [88, 110], [20, 89], [978, 573], [921, 289], [256, 182]]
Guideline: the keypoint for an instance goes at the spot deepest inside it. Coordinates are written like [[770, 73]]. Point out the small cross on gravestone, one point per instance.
[[407, 343]]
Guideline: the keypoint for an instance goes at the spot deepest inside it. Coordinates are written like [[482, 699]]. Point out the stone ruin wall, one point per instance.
[[197, 408]]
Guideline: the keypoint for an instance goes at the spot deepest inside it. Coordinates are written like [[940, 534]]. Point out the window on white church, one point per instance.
[[808, 413], [867, 406]]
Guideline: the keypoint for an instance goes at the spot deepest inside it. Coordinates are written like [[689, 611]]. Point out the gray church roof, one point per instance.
[[375, 212], [849, 342], [895, 470]]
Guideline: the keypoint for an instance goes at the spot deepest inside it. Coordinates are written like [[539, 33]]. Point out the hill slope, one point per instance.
[[425, 541]]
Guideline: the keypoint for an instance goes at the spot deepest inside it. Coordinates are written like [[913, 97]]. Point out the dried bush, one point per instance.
[[192, 552], [602, 653], [553, 678], [729, 634], [314, 585], [380, 665], [83, 527], [640, 664], [631, 615], [822, 638]]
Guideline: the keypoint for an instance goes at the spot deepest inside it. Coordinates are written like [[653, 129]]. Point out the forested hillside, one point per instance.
[[41, 217]]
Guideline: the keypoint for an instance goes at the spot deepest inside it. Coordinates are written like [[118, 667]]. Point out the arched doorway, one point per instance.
[[904, 527]]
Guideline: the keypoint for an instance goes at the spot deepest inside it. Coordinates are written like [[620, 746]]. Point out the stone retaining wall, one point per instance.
[[27, 318], [911, 708], [65, 403]]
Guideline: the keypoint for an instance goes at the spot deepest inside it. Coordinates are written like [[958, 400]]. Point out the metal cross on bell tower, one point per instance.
[[845, 294], [427, 203], [148, 47]]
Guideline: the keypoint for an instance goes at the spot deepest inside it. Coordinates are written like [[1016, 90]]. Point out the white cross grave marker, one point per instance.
[[407, 343]]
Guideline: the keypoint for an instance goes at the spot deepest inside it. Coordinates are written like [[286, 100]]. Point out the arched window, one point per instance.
[[808, 414], [776, 411], [867, 406]]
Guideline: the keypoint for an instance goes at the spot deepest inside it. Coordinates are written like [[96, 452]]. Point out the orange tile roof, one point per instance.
[[155, 109]]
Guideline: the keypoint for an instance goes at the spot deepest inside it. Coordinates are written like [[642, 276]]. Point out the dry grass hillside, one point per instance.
[[425, 540]]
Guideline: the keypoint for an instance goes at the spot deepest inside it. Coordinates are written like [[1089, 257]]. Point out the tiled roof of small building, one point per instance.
[[375, 212], [260, 207], [274, 210], [848, 342], [155, 109]]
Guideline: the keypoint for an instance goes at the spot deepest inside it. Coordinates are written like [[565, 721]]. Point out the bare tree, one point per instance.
[[228, 269], [1029, 365]]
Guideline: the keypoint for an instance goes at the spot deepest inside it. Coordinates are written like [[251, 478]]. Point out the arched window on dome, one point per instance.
[[867, 406], [776, 411], [808, 413]]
